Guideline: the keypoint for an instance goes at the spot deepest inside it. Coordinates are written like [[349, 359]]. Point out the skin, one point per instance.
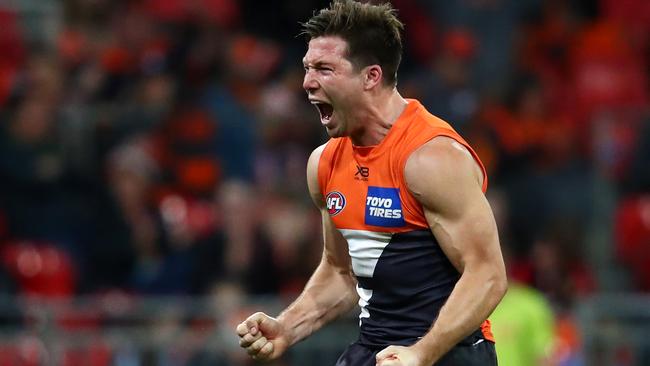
[[454, 205]]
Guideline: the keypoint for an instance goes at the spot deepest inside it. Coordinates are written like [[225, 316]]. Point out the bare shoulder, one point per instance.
[[312, 176], [441, 166]]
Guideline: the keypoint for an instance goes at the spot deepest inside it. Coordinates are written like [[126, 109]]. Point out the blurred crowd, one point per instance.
[[158, 147]]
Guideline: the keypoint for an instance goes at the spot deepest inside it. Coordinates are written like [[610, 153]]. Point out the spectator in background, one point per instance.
[[35, 182], [524, 325], [524, 321], [137, 236], [444, 87]]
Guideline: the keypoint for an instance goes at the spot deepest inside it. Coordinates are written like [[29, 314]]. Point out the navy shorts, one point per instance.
[[471, 351]]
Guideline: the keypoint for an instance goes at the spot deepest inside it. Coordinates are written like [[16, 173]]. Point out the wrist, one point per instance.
[[427, 354], [286, 330]]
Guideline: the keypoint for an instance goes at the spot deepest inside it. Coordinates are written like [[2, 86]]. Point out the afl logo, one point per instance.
[[335, 203]]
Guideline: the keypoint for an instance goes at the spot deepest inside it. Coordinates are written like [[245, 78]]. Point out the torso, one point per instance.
[[403, 275]]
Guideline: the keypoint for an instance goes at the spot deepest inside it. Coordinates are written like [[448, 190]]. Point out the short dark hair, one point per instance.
[[373, 33]]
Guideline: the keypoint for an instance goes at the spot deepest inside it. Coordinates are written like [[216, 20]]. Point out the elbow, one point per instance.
[[494, 280], [499, 286]]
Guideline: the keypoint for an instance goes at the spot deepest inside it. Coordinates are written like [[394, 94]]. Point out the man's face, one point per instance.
[[332, 84]]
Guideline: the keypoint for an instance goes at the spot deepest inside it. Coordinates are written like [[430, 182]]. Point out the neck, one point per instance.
[[377, 118]]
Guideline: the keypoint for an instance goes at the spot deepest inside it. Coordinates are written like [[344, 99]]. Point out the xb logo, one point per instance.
[[362, 172], [335, 202]]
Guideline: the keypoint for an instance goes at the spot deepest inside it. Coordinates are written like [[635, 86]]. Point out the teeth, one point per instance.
[[324, 109]]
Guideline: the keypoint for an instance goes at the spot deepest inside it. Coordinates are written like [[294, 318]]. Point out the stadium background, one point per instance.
[[152, 163]]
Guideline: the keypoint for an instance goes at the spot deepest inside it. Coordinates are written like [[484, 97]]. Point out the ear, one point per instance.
[[373, 75]]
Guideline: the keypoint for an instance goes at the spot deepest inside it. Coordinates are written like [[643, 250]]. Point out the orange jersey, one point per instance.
[[403, 275]]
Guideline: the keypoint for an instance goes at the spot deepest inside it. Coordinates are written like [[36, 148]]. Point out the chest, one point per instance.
[[366, 195]]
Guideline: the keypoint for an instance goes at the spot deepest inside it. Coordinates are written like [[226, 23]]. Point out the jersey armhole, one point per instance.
[[411, 203]]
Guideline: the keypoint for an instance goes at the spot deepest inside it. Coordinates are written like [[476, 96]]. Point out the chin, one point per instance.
[[333, 133]]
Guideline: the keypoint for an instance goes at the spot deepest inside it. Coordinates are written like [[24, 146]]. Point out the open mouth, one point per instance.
[[325, 110]]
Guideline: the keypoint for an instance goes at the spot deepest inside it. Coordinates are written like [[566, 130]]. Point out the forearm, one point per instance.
[[329, 293], [473, 299]]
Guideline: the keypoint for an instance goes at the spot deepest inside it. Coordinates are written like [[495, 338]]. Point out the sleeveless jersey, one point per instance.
[[403, 275]]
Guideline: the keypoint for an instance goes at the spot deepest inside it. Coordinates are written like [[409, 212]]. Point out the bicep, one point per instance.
[[335, 251], [466, 237], [444, 180]]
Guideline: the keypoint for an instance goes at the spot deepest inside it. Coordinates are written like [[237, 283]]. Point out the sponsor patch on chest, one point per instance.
[[383, 207]]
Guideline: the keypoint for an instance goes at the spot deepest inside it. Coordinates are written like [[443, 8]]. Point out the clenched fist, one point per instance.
[[398, 356], [263, 337]]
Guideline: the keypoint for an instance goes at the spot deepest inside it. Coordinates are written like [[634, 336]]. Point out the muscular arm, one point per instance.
[[446, 180], [330, 291]]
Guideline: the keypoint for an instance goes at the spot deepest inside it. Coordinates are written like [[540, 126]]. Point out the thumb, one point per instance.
[[253, 322], [386, 353]]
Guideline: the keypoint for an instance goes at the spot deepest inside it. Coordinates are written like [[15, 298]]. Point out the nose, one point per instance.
[[309, 83]]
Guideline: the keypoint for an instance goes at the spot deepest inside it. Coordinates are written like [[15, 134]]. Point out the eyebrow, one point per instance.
[[318, 63]]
